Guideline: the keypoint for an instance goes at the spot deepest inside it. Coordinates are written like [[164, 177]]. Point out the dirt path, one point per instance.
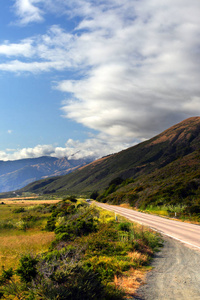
[[175, 274]]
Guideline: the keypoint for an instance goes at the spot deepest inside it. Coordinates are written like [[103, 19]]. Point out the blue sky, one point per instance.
[[94, 77]]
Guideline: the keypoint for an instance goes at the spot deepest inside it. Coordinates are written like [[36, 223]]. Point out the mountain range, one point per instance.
[[164, 170], [17, 174]]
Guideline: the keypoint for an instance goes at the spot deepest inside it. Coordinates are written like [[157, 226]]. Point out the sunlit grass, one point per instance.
[[15, 242], [12, 247]]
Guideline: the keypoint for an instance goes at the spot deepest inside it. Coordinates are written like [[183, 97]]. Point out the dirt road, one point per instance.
[[176, 268]]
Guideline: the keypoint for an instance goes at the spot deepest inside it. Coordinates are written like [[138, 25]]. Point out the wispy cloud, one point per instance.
[[28, 11], [138, 62]]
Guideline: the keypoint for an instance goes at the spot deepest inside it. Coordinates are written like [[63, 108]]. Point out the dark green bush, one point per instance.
[[84, 227], [27, 268], [51, 224], [71, 198], [94, 195], [116, 181], [6, 276], [19, 210], [72, 283], [60, 229], [124, 226], [64, 236]]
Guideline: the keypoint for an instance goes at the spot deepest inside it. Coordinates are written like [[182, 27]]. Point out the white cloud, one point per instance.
[[22, 49], [28, 11], [37, 151], [138, 62], [94, 147]]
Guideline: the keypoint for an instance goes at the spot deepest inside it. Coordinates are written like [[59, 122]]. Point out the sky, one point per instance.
[[87, 78]]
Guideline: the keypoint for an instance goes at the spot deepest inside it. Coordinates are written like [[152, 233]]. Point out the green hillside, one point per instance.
[[173, 151], [176, 184]]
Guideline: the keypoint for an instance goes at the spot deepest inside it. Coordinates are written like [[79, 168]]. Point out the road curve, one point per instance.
[[187, 233]]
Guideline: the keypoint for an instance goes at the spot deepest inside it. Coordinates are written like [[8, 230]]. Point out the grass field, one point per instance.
[[22, 232]]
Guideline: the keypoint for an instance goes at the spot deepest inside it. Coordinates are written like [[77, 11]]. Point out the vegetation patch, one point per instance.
[[89, 258]]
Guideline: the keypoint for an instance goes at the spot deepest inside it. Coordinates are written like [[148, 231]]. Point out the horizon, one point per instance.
[[86, 78], [90, 158]]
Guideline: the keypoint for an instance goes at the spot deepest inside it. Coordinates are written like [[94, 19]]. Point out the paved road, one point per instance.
[[175, 274], [184, 232]]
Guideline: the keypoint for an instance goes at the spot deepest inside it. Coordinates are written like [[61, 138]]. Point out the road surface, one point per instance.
[[187, 233], [176, 268]]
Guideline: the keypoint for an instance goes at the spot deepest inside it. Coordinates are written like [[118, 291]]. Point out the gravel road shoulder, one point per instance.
[[175, 274]]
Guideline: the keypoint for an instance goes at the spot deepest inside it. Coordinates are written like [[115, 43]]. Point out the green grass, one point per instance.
[[166, 210]]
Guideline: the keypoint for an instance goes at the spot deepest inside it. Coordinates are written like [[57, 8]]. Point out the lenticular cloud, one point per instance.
[[140, 62]]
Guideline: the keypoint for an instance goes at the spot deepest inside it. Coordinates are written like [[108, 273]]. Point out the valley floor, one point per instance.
[[175, 274]]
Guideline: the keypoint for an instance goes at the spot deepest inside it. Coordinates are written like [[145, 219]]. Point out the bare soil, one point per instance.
[[175, 274]]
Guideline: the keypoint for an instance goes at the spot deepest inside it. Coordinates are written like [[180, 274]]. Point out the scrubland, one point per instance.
[[71, 250]]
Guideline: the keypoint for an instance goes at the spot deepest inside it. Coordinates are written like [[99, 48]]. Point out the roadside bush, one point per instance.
[[124, 226], [94, 195], [76, 228], [193, 209], [71, 283], [105, 266]]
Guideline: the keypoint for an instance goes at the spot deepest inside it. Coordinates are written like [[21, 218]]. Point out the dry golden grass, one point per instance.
[[12, 247], [131, 281], [138, 257], [14, 242], [126, 205], [26, 201]]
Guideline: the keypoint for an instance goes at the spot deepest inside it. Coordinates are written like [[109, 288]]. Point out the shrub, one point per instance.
[[116, 181], [7, 225], [94, 195], [18, 210], [71, 198], [124, 226], [6, 276], [64, 236], [27, 268], [71, 282], [51, 224]]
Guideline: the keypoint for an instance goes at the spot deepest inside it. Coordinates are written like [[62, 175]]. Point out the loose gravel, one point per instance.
[[175, 274]]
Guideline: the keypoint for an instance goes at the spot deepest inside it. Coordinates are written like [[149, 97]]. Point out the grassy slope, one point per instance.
[[140, 160], [176, 184]]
